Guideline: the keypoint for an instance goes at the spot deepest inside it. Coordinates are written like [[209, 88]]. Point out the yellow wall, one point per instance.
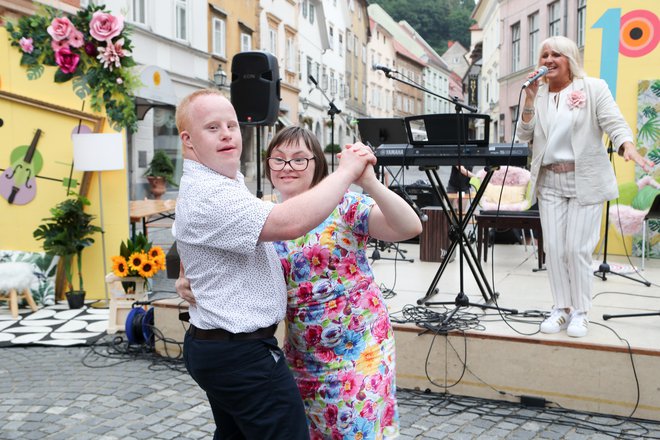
[[628, 72], [20, 122]]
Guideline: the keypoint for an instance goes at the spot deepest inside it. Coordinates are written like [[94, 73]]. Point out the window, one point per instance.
[[246, 42], [309, 70], [331, 37], [340, 45], [139, 13], [581, 21], [312, 13], [515, 47], [554, 19], [290, 54], [181, 17], [513, 112], [272, 40], [348, 41], [305, 4], [219, 37], [533, 38], [364, 54]]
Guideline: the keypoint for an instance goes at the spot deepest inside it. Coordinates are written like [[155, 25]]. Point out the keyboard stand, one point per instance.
[[457, 236]]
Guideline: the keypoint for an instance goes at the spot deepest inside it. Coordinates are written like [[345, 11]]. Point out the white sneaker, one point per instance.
[[556, 322], [579, 325]]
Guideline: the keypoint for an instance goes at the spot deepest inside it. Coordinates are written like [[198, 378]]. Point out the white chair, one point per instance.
[[15, 281]]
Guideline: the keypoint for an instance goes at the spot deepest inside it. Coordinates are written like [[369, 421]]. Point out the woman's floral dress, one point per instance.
[[340, 343]]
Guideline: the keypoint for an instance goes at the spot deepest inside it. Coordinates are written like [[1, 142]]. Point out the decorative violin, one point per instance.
[[18, 183]]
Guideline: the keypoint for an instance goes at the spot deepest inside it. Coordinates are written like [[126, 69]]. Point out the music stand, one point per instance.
[[453, 130], [376, 132]]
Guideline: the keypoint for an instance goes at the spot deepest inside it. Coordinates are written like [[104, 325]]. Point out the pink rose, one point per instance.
[[26, 44], [67, 60], [60, 28], [577, 99], [105, 26]]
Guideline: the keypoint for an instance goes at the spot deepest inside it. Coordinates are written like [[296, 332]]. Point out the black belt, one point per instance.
[[218, 334]]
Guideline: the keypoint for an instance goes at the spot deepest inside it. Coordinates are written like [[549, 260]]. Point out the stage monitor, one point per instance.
[[379, 131], [448, 129]]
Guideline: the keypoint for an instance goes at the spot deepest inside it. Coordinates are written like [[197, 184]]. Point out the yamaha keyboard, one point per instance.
[[446, 155]]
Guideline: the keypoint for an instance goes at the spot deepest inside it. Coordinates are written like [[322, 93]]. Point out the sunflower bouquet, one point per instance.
[[138, 258]]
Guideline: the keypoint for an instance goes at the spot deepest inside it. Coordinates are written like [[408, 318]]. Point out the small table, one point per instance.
[[146, 209], [508, 219]]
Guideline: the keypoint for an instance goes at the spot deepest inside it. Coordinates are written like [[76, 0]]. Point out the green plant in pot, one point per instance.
[[66, 233], [159, 173]]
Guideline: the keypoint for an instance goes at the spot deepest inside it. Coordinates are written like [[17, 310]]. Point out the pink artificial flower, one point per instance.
[[112, 54], [577, 99], [26, 44], [57, 45], [104, 26], [60, 28], [76, 39], [67, 60]]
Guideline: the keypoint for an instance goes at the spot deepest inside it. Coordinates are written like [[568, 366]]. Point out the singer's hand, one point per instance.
[[630, 153], [533, 88]]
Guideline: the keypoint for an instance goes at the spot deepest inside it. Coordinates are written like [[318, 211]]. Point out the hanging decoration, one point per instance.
[[92, 49]]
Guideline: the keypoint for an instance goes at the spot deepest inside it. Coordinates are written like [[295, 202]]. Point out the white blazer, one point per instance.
[[594, 177]]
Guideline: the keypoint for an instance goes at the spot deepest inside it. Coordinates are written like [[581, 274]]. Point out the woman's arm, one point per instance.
[[391, 219]]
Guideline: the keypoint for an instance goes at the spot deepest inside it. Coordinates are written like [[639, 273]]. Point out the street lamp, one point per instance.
[[220, 78]]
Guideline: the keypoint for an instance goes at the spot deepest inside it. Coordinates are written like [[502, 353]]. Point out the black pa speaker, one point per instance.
[[255, 87]]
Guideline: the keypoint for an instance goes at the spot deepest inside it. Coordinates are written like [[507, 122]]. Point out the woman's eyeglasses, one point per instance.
[[297, 164]]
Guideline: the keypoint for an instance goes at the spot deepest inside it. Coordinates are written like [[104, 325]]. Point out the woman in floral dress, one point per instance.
[[340, 343]]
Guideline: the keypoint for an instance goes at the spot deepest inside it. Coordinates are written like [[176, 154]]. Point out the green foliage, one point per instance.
[[108, 87], [138, 244], [650, 130], [437, 21], [67, 232], [332, 149], [161, 166]]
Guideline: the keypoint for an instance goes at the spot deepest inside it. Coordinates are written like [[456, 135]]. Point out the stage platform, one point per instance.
[[503, 356]]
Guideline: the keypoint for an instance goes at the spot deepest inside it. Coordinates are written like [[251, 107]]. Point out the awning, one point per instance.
[[157, 90]]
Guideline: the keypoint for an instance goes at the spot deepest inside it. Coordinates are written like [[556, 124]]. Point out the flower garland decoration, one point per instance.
[[92, 49], [138, 258], [576, 99]]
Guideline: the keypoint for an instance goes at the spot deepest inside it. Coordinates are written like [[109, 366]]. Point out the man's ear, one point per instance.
[[185, 139]]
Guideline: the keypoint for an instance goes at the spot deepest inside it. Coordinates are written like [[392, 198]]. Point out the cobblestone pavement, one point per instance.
[[73, 393]]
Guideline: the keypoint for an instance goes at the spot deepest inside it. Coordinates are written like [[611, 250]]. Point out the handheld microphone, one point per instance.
[[313, 80], [539, 73], [385, 69]]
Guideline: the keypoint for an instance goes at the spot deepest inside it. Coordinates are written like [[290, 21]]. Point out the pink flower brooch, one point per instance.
[[577, 99]]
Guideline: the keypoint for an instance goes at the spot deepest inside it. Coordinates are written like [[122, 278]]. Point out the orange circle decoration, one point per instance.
[[640, 33], [156, 78]]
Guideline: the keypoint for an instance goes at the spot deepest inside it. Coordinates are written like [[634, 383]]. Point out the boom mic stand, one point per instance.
[[604, 267], [456, 221], [332, 111]]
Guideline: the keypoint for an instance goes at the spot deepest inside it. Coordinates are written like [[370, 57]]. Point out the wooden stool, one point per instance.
[[15, 278]]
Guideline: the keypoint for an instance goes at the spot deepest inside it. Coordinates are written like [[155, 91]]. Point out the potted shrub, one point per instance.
[[160, 173], [66, 234]]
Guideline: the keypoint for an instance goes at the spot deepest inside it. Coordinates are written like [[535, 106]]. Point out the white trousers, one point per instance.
[[570, 234]]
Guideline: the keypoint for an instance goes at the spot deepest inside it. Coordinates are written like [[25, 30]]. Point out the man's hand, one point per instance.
[[183, 287]]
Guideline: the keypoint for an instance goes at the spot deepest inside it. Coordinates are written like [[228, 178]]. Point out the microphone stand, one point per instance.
[[457, 233], [332, 111], [604, 267]]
